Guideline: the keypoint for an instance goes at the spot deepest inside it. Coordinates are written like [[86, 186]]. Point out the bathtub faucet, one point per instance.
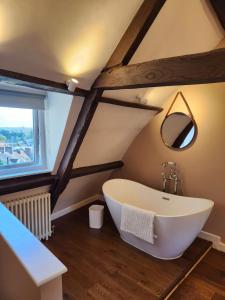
[[169, 174]]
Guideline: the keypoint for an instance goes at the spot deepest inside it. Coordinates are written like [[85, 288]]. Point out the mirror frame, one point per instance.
[[193, 139]]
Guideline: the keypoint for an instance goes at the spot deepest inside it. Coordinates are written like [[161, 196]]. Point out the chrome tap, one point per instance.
[[169, 174], [175, 184], [164, 181]]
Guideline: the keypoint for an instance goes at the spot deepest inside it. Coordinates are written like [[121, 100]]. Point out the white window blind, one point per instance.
[[21, 100]]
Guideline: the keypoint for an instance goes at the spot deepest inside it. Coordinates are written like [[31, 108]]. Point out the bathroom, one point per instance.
[[143, 157], [103, 106]]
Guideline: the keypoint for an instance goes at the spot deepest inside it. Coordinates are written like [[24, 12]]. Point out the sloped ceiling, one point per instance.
[[59, 39], [112, 130], [182, 27]]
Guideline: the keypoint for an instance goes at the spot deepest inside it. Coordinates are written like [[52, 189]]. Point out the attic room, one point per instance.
[[111, 150]]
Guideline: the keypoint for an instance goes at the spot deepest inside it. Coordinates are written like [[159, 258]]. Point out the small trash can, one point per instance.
[[96, 216]]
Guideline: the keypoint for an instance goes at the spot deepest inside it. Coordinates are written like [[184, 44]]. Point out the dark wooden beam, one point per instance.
[[129, 104], [207, 67], [18, 184], [84, 171], [84, 119], [219, 7], [135, 33], [38, 83]]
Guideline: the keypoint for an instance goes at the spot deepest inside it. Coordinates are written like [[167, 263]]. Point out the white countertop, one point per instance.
[[40, 263]]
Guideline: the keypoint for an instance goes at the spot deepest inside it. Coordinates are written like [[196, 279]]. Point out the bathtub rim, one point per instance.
[[211, 203]]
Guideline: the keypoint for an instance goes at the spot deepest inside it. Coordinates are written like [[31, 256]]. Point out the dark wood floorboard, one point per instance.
[[206, 282], [103, 267]]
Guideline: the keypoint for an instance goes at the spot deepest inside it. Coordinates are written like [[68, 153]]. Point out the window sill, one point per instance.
[[23, 171], [25, 182]]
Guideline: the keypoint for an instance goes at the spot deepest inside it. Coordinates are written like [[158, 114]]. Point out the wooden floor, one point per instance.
[[207, 281], [102, 266]]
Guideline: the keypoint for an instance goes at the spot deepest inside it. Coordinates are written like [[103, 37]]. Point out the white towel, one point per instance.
[[139, 222]]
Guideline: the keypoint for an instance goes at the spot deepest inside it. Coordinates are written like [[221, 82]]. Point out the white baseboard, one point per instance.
[[75, 206], [215, 239]]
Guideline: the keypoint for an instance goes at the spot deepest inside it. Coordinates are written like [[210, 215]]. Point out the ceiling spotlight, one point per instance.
[[71, 84]]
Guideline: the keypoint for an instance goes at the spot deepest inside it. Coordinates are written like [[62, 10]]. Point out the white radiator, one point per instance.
[[34, 212]]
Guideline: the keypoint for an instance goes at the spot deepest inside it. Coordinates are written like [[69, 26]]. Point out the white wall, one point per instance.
[[111, 131], [24, 276], [201, 166], [15, 283], [57, 107], [81, 188], [61, 116], [71, 121]]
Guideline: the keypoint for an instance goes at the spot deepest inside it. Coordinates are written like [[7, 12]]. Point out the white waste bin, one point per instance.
[[96, 216]]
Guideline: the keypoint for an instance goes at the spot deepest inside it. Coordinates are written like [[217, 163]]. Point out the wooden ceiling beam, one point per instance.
[[25, 80], [135, 33], [219, 7], [207, 67], [130, 104], [84, 171]]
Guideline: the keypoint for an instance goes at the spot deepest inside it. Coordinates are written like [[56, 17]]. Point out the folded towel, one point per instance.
[[139, 222]]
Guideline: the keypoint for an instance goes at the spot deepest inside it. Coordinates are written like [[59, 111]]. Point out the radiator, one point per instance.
[[34, 212]]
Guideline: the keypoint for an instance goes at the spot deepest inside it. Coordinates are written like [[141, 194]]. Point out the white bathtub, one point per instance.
[[178, 219]]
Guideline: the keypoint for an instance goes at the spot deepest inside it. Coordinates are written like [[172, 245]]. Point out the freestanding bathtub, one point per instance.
[[178, 219]]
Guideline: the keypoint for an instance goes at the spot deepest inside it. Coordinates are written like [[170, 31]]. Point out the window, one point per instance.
[[22, 134], [188, 138]]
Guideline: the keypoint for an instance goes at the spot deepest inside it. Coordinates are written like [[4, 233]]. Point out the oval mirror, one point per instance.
[[178, 131]]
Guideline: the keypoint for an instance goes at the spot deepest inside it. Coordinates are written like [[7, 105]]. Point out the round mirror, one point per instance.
[[178, 131]]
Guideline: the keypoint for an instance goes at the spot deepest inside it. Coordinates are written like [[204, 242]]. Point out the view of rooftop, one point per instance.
[[16, 136]]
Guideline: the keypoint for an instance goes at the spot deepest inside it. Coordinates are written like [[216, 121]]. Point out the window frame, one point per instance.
[[39, 163]]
